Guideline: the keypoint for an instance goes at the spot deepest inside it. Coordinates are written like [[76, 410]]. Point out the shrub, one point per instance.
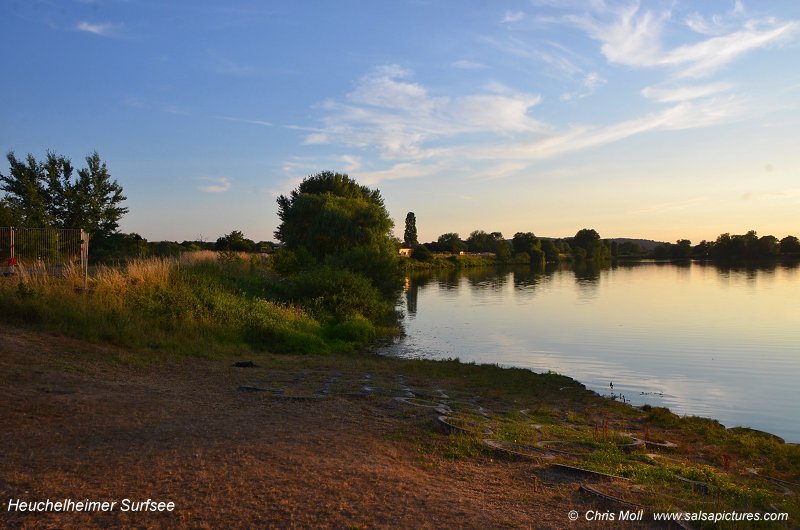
[[333, 294], [285, 261], [422, 253], [379, 267], [522, 258], [356, 329]]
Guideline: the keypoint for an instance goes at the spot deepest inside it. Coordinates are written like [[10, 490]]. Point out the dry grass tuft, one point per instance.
[[154, 272], [198, 256]]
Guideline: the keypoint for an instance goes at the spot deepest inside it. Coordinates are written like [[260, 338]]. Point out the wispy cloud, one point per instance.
[[707, 56], [718, 23], [684, 115], [388, 86], [632, 36], [464, 64], [103, 29], [226, 66], [403, 170], [549, 53], [512, 16], [351, 163], [495, 131], [492, 130], [699, 24], [244, 120], [390, 111], [221, 185], [135, 102], [175, 109], [675, 94], [502, 170], [591, 82]]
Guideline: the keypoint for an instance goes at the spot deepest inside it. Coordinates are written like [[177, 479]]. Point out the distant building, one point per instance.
[[406, 252]]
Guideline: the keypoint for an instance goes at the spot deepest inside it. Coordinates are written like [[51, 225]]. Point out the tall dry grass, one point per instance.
[[150, 272], [198, 256], [153, 272]]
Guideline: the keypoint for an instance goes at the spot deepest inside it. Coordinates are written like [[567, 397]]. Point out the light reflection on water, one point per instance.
[[699, 339]]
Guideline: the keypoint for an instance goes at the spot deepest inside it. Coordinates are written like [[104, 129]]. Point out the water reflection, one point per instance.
[[448, 281], [588, 271], [412, 295], [700, 338], [478, 280], [527, 278]]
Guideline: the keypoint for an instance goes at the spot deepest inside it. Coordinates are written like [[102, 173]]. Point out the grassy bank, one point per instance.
[[199, 303], [451, 262]]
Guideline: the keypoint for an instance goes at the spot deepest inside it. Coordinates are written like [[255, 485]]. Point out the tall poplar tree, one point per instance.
[[410, 234]]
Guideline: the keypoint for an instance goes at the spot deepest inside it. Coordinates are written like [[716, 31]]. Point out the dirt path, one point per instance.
[[287, 446]]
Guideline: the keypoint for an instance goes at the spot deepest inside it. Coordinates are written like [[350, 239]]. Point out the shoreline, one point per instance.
[[630, 402]]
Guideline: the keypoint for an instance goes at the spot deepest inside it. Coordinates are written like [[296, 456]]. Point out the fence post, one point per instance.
[[85, 258], [11, 239]]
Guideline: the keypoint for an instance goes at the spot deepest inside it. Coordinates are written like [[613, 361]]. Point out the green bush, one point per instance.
[[379, 267], [422, 253], [355, 329], [286, 261], [333, 294], [522, 258]]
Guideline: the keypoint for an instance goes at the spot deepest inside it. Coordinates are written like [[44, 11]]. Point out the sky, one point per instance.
[[657, 120]]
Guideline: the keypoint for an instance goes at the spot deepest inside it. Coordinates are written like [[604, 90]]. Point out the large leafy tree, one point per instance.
[[95, 199], [450, 242], [525, 242], [587, 245], [550, 250], [340, 223], [235, 241], [480, 241], [47, 194], [790, 244], [25, 191]]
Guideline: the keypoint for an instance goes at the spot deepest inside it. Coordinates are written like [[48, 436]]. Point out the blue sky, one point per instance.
[[660, 120]]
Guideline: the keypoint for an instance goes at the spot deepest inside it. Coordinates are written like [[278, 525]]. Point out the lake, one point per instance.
[[701, 339]]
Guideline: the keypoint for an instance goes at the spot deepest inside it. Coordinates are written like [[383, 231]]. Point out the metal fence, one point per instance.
[[44, 250]]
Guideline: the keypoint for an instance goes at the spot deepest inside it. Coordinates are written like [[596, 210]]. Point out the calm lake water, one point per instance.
[[700, 339]]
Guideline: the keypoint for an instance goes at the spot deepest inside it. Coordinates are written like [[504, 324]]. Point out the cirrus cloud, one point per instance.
[[103, 29], [220, 185], [632, 36]]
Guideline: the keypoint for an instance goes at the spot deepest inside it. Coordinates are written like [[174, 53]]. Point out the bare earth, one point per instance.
[[77, 426]]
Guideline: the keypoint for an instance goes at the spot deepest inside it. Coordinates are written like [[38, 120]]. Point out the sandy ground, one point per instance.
[[77, 427]]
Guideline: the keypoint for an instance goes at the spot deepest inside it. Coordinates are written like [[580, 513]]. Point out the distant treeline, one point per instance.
[[587, 245], [731, 247], [523, 248], [121, 246]]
